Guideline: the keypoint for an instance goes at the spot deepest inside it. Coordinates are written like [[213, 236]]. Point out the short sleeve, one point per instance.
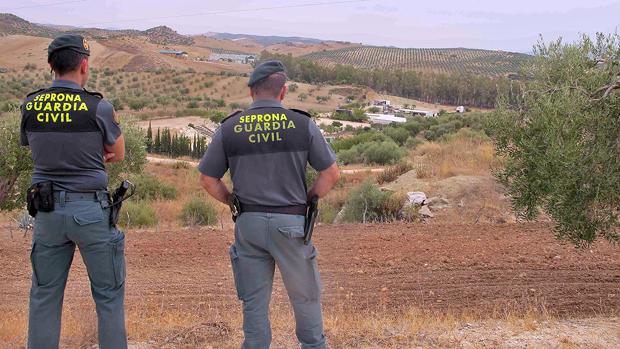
[[23, 136], [214, 163], [320, 155], [107, 122]]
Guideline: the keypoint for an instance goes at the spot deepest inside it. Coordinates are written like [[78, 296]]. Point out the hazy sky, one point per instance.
[[490, 24]]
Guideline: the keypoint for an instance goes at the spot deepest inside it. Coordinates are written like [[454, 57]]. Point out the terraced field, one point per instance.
[[444, 60]]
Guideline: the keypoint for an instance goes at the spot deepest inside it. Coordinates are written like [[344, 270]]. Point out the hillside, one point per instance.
[[445, 60], [13, 25]]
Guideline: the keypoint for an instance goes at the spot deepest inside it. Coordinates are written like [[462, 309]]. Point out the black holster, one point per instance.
[[235, 206], [117, 202], [40, 197]]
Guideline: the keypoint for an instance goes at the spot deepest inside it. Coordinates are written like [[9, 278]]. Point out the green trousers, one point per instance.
[[262, 241], [84, 223]]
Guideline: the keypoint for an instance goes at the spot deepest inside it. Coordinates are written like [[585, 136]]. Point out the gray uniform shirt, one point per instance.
[[73, 161], [270, 177]]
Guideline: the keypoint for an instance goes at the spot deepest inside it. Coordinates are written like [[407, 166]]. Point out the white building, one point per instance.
[[421, 112], [385, 119], [233, 57], [460, 109]]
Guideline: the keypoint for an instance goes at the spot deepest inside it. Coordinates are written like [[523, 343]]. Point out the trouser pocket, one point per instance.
[[234, 261], [117, 252]]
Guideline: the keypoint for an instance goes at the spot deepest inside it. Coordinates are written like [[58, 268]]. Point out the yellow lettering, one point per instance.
[[83, 107], [267, 126], [284, 118], [258, 127], [291, 124], [77, 98], [252, 138], [40, 117], [57, 106], [237, 128], [259, 118], [29, 105]]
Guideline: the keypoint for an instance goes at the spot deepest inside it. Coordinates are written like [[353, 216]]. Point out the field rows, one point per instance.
[[457, 60]]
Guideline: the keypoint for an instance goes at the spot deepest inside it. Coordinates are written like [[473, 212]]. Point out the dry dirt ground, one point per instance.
[[385, 286]]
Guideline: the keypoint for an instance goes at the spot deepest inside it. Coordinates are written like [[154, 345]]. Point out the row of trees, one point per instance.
[[455, 89], [174, 145]]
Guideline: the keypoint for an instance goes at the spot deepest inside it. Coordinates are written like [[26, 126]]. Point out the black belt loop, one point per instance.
[[63, 198]]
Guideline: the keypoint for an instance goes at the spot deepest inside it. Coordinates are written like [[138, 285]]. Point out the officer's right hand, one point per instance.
[[107, 157]]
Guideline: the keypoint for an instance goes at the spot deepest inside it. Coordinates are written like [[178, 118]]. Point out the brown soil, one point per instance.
[[447, 268]]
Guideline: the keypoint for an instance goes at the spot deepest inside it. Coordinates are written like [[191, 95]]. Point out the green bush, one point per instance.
[[137, 214], [367, 203], [198, 211], [327, 212], [397, 134], [148, 187]]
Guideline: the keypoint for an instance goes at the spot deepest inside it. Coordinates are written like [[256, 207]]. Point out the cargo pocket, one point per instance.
[[91, 216], [117, 249], [293, 232], [234, 261], [315, 285], [35, 276]]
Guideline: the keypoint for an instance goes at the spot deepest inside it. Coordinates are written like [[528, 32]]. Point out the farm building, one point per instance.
[[383, 102], [233, 57], [178, 54], [385, 119], [460, 109], [427, 113]]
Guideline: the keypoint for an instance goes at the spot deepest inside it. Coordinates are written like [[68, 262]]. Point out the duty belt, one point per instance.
[[81, 196], [294, 209]]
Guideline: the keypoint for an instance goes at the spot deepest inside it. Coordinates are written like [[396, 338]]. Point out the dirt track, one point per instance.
[[478, 268]]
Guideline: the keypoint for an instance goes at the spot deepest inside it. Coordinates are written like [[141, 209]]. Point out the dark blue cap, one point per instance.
[[72, 42], [264, 70]]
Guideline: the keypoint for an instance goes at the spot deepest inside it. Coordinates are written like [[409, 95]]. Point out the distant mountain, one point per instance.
[[167, 36], [10, 24], [14, 25], [265, 40]]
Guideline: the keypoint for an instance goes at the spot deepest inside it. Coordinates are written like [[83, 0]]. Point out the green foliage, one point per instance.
[[397, 134], [293, 87], [376, 152], [138, 214], [561, 139], [367, 203], [148, 187], [15, 164], [135, 154], [198, 211]]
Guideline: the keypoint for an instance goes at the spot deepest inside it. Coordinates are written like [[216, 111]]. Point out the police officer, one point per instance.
[[72, 133], [267, 148]]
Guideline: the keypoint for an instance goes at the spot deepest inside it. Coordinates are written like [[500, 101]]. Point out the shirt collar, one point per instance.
[[66, 84], [266, 103]]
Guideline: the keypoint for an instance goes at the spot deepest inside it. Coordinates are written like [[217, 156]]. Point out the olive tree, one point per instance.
[[560, 138], [16, 162]]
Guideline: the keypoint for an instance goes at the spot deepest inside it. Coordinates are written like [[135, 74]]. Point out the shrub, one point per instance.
[[150, 188], [138, 214], [198, 211], [293, 87], [392, 173], [367, 203], [413, 142], [327, 212]]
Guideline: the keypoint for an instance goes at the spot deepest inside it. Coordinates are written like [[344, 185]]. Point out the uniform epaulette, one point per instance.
[[302, 112], [96, 94], [34, 92], [230, 116]]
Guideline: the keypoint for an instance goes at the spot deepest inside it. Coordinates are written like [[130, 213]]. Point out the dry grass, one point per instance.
[[208, 323], [464, 154]]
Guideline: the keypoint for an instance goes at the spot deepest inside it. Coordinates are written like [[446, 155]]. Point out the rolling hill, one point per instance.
[[443, 60]]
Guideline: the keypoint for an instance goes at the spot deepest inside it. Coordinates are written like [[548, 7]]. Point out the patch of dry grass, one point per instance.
[[463, 154]]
